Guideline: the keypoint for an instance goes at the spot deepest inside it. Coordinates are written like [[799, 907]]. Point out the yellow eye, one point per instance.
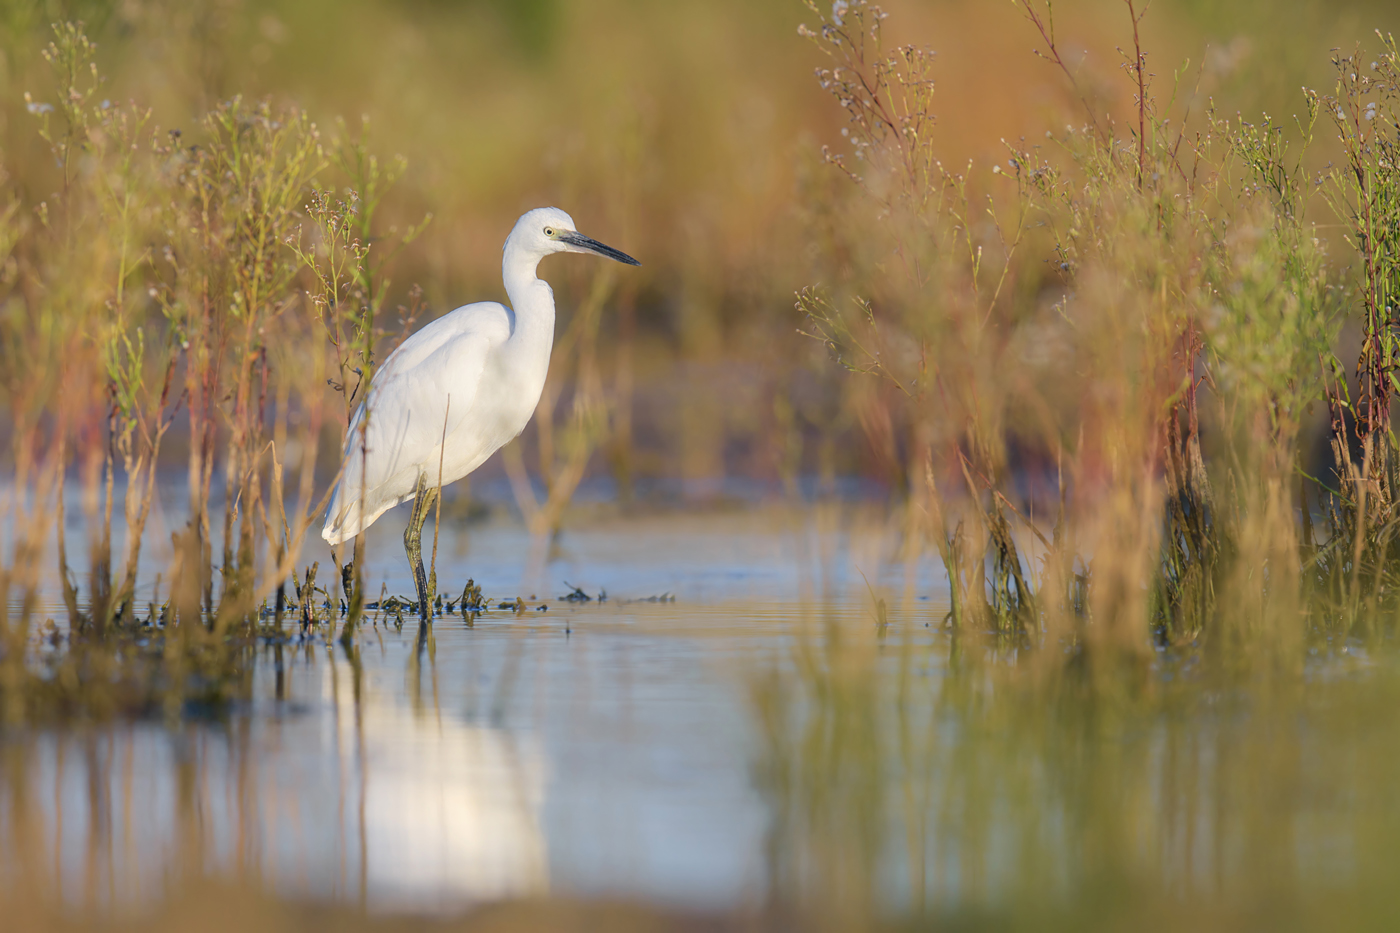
[[549, 231]]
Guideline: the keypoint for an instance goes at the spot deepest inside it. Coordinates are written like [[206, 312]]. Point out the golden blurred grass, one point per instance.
[[679, 128], [686, 132]]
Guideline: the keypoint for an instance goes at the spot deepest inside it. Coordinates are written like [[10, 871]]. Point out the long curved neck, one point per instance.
[[531, 299]]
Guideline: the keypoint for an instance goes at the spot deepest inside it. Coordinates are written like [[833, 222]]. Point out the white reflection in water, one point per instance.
[[384, 803], [451, 811]]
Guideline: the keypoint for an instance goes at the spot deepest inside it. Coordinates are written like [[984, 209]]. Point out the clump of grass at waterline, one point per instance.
[[1135, 309], [154, 664], [131, 671]]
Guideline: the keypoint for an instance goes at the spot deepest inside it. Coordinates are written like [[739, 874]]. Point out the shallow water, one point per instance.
[[502, 759], [759, 739], [594, 748]]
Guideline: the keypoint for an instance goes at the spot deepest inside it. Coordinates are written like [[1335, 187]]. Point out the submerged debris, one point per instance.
[[394, 604], [577, 595], [667, 597], [306, 595], [472, 601]]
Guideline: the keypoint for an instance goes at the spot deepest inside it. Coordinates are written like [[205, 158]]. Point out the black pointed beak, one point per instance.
[[591, 245]]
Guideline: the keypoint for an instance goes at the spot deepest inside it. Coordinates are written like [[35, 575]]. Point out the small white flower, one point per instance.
[[37, 108], [838, 12]]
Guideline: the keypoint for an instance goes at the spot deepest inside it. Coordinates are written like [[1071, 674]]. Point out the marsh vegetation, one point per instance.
[[1125, 327], [1047, 575]]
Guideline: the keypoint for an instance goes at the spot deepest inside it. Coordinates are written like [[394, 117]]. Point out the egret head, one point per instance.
[[546, 230]]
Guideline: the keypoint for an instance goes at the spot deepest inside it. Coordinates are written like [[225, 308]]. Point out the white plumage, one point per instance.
[[460, 388]]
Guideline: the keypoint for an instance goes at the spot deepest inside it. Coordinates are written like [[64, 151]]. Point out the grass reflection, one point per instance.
[[945, 778]]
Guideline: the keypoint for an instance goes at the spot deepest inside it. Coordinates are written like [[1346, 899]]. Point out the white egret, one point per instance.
[[455, 392]]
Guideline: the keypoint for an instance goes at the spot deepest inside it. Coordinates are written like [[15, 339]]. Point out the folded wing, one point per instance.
[[425, 391]]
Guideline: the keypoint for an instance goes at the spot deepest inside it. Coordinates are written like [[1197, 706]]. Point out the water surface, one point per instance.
[[732, 727]]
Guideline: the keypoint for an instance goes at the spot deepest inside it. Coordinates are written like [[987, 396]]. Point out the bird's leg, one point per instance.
[[413, 542], [429, 583]]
